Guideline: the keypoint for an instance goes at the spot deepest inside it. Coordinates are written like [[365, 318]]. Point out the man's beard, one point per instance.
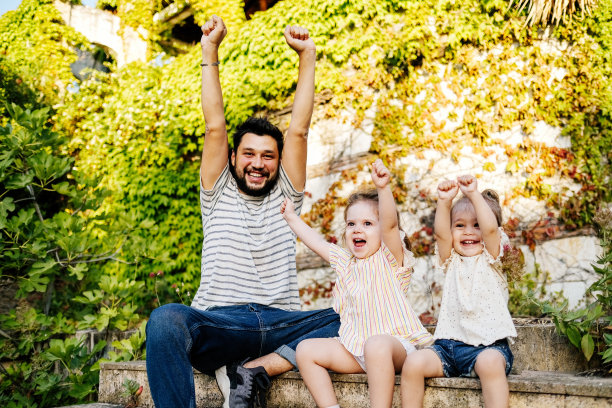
[[255, 192]]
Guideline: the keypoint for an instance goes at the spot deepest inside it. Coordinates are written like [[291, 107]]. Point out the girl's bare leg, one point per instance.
[[316, 356], [491, 369], [418, 366], [384, 356]]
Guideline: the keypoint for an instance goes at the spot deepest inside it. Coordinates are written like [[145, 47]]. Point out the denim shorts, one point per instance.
[[458, 359]]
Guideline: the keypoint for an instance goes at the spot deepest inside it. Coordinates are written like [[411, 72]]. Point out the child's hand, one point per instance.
[[298, 39], [287, 208], [467, 184], [213, 32], [447, 190], [380, 174]]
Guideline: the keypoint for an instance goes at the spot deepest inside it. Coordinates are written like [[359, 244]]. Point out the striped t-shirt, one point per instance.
[[369, 296], [248, 253]]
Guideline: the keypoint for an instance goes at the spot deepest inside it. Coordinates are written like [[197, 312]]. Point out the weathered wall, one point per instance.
[[102, 28], [560, 262]]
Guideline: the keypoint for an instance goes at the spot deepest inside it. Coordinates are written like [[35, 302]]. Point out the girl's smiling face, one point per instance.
[[362, 235], [467, 238]]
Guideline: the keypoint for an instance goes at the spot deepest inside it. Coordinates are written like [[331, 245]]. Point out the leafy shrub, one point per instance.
[[53, 239], [39, 48], [590, 328]]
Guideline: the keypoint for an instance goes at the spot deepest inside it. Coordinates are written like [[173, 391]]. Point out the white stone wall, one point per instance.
[[564, 262], [102, 28]]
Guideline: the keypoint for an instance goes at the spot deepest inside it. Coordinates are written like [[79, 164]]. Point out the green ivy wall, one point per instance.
[[140, 128]]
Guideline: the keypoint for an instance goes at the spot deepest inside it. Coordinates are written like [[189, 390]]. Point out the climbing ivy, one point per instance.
[[141, 127], [138, 131], [38, 48]]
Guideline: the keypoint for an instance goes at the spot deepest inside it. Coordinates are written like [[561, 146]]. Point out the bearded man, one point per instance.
[[245, 322]]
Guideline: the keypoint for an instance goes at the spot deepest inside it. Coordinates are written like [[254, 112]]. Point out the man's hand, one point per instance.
[[213, 32], [298, 39], [447, 190], [380, 174], [467, 184]]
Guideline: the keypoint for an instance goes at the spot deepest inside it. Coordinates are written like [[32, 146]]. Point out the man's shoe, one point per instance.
[[248, 387]]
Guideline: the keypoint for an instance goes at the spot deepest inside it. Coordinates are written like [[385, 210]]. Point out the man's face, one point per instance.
[[255, 164]]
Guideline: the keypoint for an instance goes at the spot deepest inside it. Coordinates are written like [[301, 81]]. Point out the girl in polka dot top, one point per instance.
[[474, 324]]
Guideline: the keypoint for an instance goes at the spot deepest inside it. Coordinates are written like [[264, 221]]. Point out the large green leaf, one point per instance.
[[573, 335], [17, 181], [588, 346]]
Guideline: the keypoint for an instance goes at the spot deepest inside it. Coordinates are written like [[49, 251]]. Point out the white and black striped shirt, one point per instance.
[[248, 253]]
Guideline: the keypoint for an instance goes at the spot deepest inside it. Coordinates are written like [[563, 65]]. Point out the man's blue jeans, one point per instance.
[[180, 337]]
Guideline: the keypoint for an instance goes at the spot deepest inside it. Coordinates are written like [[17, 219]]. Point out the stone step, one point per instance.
[[94, 405], [537, 349], [527, 389]]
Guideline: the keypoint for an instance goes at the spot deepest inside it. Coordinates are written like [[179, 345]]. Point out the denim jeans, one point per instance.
[[180, 337], [458, 359]]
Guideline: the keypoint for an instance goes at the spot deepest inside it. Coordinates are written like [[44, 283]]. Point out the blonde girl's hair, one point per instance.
[[491, 198], [370, 195]]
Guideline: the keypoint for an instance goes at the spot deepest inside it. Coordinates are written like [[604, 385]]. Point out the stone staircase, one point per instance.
[[543, 376]]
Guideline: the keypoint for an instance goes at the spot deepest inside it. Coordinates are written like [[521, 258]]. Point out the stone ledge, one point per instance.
[[527, 389], [541, 357], [94, 405]]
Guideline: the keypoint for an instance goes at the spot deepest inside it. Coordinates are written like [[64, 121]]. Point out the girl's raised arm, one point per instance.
[[487, 222], [387, 211], [309, 237], [447, 190]]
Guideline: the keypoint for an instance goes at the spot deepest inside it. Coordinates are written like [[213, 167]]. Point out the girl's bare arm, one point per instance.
[[311, 238], [447, 190], [485, 216]]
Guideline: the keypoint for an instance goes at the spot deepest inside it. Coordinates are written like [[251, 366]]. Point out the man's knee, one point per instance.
[[166, 320]]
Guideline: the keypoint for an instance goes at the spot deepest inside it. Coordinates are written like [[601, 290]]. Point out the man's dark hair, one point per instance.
[[261, 127]]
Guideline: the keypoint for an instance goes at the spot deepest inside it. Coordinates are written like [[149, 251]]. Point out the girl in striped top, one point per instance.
[[378, 326]]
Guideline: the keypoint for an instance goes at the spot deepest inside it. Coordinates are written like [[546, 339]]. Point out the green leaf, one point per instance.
[[90, 296], [78, 270], [594, 313], [573, 335], [36, 281], [48, 167], [6, 205], [63, 188], [146, 224], [576, 314], [80, 391], [102, 322], [588, 346], [607, 355], [43, 266], [18, 181]]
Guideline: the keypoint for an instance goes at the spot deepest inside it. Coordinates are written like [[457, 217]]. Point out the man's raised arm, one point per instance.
[[294, 152], [215, 152]]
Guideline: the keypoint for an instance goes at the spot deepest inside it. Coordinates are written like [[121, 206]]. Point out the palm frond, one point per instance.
[[547, 12]]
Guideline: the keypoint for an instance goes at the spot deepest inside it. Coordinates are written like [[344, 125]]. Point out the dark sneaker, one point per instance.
[[248, 387]]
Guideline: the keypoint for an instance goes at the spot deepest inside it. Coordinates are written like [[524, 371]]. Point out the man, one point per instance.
[[247, 305]]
